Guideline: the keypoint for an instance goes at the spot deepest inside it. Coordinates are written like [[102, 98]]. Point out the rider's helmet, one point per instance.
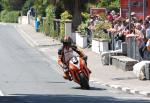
[[67, 41]]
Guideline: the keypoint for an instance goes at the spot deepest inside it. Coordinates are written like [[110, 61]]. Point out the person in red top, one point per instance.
[[109, 17]]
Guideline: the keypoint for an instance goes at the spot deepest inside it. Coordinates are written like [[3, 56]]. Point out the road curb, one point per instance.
[[130, 91], [121, 88], [125, 89], [144, 93]]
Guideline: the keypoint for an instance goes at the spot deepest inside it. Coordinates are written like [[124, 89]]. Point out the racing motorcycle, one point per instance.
[[79, 72]]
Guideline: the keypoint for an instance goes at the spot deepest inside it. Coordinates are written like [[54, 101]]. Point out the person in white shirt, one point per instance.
[[148, 30]]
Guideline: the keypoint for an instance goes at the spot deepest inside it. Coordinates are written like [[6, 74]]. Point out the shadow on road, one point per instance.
[[91, 88], [124, 78], [55, 82], [29, 98]]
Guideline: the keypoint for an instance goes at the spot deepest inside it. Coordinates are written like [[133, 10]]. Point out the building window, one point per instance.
[[138, 4], [135, 3]]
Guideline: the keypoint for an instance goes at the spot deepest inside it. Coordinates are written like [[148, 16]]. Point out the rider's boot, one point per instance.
[[66, 74], [89, 70]]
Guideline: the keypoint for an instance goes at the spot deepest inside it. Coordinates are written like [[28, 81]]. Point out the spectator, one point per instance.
[[109, 17], [147, 27], [113, 13], [142, 48], [147, 18], [139, 31], [90, 29], [134, 19], [141, 40]]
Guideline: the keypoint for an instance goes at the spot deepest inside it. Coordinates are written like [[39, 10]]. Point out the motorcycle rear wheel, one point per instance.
[[84, 82]]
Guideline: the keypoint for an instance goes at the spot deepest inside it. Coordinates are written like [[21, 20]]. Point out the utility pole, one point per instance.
[[129, 6], [144, 10]]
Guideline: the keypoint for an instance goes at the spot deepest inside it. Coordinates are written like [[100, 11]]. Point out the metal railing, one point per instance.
[[132, 48]]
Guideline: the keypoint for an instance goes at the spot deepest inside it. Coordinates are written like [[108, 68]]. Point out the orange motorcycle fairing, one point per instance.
[[77, 66], [84, 68]]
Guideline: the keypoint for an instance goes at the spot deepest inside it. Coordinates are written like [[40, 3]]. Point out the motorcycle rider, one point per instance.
[[66, 52]]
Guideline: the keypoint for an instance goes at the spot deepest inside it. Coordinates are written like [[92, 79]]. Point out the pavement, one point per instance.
[[104, 75]]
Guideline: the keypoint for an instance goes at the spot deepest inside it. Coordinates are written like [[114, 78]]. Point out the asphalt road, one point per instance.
[[26, 76]]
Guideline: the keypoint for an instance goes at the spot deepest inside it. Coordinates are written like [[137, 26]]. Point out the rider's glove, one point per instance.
[[65, 68], [85, 58]]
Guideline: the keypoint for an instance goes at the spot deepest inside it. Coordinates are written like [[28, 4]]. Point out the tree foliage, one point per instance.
[[9, 16], [5, 4], [109, 4], [12, 4], [26, 6], [73, 7], [0, 6], [48, 22], [64, 16]]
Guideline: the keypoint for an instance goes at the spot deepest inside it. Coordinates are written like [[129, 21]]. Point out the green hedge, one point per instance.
[[48, 23], [9, 16], [64, 16]]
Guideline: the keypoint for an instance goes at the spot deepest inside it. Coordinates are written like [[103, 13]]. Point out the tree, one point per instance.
[[77, 14], [40, 6], [49, 21], [6, 4], [75, 7], [27, 5], [109, 4], [12, 4], [17, 4], [0, 6]]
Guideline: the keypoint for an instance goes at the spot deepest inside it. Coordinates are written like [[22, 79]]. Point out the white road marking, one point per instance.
[[1, 93], [29, 40]]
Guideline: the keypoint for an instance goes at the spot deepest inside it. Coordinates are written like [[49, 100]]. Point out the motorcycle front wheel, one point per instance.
[[84, 82]]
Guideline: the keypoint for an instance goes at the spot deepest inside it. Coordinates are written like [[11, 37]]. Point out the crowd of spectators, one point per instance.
[[134, 27], [123, 28]]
